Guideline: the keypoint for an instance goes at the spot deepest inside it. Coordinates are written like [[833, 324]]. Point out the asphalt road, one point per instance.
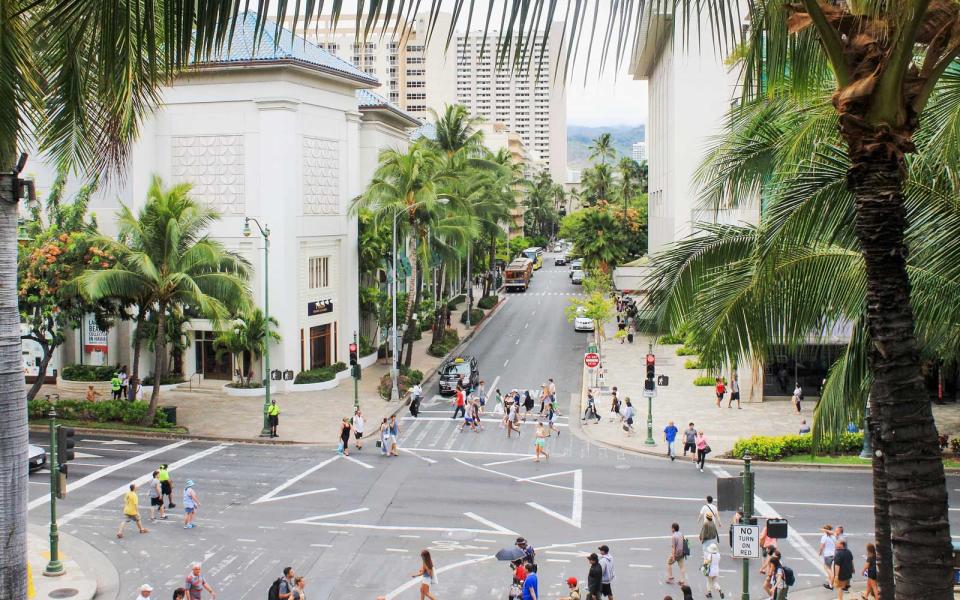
[[354, 527]]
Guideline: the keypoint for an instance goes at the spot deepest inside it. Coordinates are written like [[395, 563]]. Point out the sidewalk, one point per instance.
[[87, 572]]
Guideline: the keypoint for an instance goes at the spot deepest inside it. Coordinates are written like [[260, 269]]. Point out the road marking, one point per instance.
[[640, 549], [359, 462], [503, 462], [496, 528], [111, 442], [245, 540], [480, 452], [505, 362], [268, 496], [641, 566], [564, 553], [396, 550], [406, 535], [321, 545], [338, 532], [89, 506], [559, 560], [112, 469], [516, 342], [576, 512], [423, 458], [306, 520], [297, 495], [477, 555], [487, 541], [85, 455]]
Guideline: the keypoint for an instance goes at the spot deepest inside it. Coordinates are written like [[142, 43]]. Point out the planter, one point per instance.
[[316, 387], [368, 360], [248, 392], [78, 389]]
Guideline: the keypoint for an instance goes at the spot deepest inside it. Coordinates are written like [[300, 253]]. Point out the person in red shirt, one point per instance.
[[721, 390], [460, 403]]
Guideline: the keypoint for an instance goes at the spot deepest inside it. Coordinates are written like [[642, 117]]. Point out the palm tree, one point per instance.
[[248, 338], [602, 148], [599, 239], [173, 263], [501, 185], [457, 131], [596, 184], [631, 175]]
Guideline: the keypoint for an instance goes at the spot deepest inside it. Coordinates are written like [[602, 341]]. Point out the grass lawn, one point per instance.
[[847, 460], [110, 425]]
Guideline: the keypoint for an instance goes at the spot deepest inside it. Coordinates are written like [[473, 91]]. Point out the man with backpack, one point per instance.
[[679, 551], [282, 587]]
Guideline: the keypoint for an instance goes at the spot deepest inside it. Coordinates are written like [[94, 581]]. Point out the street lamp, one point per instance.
[[265, 232], [395, 369]]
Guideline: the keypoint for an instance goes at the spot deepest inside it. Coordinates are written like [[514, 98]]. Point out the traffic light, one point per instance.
[[65, 444], [649, 385], [353, 353]]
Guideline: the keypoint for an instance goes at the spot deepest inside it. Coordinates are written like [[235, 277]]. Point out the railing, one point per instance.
[[199, 375]]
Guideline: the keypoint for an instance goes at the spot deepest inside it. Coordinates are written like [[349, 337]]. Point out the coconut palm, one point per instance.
[[457, 131], [596, 184], [248, 339], [599, 239], [502, 185], [602, 148], [172, 262], [630, 177]]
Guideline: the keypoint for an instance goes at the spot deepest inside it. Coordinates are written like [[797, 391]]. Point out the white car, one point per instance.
[[581, 322], [577, 277], [37, 457]]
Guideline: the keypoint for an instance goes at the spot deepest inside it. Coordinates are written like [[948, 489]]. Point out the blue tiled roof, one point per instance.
[[369, 99], [427, 130], [281, 46]]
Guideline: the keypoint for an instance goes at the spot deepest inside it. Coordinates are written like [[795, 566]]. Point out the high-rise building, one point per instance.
[[531, 101], [639, 151]]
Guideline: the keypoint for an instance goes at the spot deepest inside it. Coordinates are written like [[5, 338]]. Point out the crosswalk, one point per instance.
[[528, 294]]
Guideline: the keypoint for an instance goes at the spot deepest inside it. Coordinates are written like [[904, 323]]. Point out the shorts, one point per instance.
[[165, 488], [538, 442], [189, 509], [134, 518], [719, 396], [605, 590], [156, 501], [828, 561], [358, 434], [691, 446], [735, 396], [274, 420]]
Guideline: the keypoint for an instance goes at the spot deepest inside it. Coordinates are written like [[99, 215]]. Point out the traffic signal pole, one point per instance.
[[747, 519], [649, 389], [54, 566], [355, 370]]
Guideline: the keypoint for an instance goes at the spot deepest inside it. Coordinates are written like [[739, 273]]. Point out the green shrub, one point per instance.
[[447, 342], [685, 351], [475, 316], [452, 305], [693, 363], [238, 385], [316, 375], [339, 366], [366, 348], [89, 372], [168, 379], [488, 302], [670, 339], [106, 411], [414, 375], [705, 380], [771, 448]]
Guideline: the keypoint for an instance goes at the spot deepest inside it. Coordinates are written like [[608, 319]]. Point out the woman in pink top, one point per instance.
[[703, 448]]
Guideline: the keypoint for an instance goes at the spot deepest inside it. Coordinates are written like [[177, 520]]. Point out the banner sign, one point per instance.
[[94, 338], [320, 307]]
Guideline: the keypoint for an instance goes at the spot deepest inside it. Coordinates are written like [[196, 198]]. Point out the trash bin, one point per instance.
[[171, 414]]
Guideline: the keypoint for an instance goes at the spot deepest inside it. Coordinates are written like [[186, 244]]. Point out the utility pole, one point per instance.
[[54, 566], [747, 519], [355, 370]]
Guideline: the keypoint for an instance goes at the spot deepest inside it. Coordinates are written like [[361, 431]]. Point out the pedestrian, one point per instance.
[[179, 594], [528, 404], [482, 393], [614, 406], [573, 588], [778, 582], [115, 386], [827, 550], [196, 583], [552, 389], [594, 577], [190, 505], [591, 411], [544, 396], [513, 420], [416, 396], [145, 591], [273, 417], [343, 445], [552, 420], [539, 442], [870, 572], [842, 568], [156, 498], [677, 555], [628, 416], [804, 428], [298, 584], [631, 331], [166, 485], [459, 402], [384, 437], [670, 434], [136, 390], [734, 392], [721, 390], [797, 397], [131, 511], [711, 569], [838, 534], [687, 592], [709, 508], [703, 449], [607, 574], [358, 428], [394, 430], [427, 575], [287, 583], [708, 531], [531, 589], [124, 380], [690, 441], [92, 394]]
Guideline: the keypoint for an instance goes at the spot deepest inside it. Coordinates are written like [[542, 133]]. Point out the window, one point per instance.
[[417, 96], [416, 84], [415, 60], [318, 272], [416, 72], [417, 108], [415, 48]]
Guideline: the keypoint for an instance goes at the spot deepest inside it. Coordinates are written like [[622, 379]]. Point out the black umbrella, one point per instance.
[[510, 554]]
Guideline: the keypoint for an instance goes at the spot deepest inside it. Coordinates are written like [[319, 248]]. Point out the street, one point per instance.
[[354, 526]]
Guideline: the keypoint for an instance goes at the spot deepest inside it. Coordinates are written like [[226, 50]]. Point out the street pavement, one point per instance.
[[354, 526]]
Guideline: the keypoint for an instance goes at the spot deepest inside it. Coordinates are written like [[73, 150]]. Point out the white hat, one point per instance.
[[146, 588], [712, 548]]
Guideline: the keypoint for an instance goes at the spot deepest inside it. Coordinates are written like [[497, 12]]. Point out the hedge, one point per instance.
[[475, 316], [488, 302], [452, 305], [448, 341], [692, 363], [685, 351], [89, 372], [772, 448], [106, 411], [167, 379], [670, 339], [414, 375], [320, 375], [705, 380]]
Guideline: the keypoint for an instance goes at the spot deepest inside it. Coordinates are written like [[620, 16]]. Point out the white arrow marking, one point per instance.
[[266, 497], [310, 520], [296, 495], [576, 513], [85, 455], [361, 463], [111, 442], [496, 528]]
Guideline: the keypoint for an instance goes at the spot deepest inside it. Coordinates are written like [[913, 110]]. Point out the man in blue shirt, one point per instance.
[[670, 434], [530, 590]]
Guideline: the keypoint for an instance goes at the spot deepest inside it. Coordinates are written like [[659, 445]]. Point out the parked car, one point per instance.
[[577, 277], [581, 322], [560, 259], [37, 457], [453, 369], [576, 265]]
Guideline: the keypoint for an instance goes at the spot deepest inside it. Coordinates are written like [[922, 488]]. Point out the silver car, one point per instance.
[[37, 457]]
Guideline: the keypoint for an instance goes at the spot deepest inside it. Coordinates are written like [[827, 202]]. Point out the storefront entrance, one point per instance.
[[320, 355], [205, 356]]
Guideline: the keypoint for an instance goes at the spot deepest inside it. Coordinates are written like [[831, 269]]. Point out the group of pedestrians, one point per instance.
[[526, 579], [160, 487], [195, 584], [694, 441], [838, 563]]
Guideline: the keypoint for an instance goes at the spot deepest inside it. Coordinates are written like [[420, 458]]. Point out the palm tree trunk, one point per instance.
[[488, 287], [409, 334], [440, 311], [158, 361], [881, 520], [138, 340], [13, 410], [906, 435]]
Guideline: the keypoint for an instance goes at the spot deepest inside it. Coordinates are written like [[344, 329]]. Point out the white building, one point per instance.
[[639, 151], [421, 77], [288, 136]]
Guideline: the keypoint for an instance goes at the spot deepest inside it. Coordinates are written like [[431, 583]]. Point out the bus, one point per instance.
[[535, 254], [517, 275]]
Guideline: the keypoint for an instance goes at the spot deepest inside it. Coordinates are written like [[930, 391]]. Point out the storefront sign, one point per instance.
[[95, 339], [320, 307]]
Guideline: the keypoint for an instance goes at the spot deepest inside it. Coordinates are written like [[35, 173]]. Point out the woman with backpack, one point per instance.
[[778, 579], [427, 575]]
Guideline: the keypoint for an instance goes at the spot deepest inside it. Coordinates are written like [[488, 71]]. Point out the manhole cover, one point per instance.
[[63, 593]]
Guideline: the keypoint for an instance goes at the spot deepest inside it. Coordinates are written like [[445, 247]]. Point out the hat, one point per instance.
[[520, 540], [146, 588], [712, 548], [571, 581], [604, 549], [709, 516], [189, 483]]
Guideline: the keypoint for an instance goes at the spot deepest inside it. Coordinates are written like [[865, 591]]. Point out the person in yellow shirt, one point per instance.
[[273, 416], [131, 511]]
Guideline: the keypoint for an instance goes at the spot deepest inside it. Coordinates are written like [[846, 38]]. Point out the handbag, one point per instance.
[[706, 449]]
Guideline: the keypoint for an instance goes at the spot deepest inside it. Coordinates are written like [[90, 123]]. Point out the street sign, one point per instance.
[[649, 393], [746, 541], [663, 380], [591, 359], [591, 347]]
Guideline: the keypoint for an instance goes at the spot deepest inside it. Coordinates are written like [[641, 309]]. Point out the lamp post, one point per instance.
[[395, 368], [265, 232], [867, 451]]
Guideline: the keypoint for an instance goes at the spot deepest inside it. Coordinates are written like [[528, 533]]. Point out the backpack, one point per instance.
[[274, 592], [686, 547], [788, 577]]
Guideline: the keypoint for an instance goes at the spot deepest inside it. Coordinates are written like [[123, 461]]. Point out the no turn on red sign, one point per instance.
[[591, 359], [746, 541]]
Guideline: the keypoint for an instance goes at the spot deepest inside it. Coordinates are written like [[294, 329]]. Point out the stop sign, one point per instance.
[[591, 359]]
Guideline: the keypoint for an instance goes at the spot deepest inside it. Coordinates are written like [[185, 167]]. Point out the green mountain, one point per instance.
[[580, 137]]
